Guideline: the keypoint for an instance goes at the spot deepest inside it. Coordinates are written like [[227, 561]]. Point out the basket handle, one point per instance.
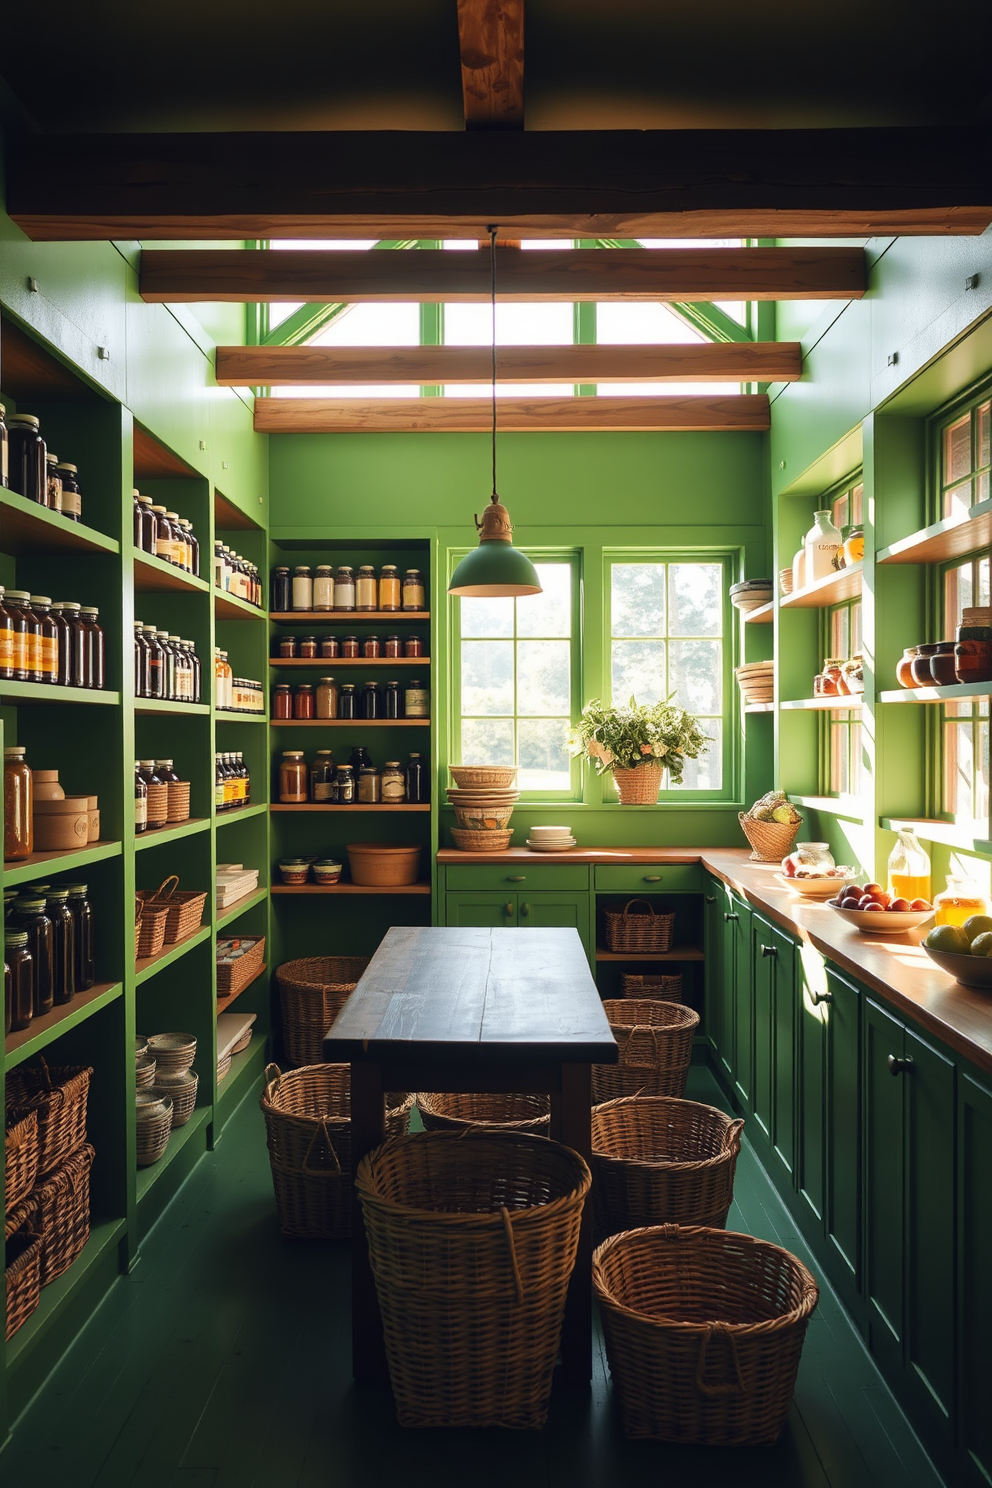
[[271, 1078], [729, 1387], [641, 1034], [517, 1279], [46, 1073], [649, 907], [321, 1131], [732, 1136], [163, 892]]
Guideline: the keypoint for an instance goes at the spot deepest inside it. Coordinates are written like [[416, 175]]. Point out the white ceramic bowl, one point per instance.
[[884, 922], [967, 971], [815, 888]]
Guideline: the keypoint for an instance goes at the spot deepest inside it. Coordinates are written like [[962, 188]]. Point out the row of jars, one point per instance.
[[331, 700], [326, 588], [826, 549], [235, 694], [943, 663], [359, 782], [48, 950], [151, 801], [840, 678], [329, 648], [235, 575], [165, 534], [232, 781], [61, 644], [27, 467], [165, 666]]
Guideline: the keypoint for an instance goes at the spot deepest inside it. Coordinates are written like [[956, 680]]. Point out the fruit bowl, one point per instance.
[[967, 971], [885, 921], [821, 887]]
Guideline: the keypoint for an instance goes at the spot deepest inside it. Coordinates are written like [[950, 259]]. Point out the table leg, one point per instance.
[[575, 1125], [368, 1130]]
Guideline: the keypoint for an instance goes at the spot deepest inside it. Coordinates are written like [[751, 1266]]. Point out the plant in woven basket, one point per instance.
[[646, 737]]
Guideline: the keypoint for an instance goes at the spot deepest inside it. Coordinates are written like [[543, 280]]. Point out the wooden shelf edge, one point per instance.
[[677, 953], [350, 722], [403, 806], [959, 692], [846, 583], [64, 860], [349, 617], [226, 916], [761, 615], [223, 1003], [350, 888], [350, 661], [147, 966], [43, 1031], [178, 830], [952, 537]]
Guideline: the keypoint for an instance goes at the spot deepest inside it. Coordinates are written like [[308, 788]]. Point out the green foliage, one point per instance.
[[640, 734]]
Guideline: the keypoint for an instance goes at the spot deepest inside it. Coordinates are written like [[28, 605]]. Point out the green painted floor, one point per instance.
[[223, 1362]]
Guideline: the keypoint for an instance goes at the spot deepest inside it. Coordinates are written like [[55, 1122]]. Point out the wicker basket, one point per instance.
[[22, 1265], [469, 839], [308, 1134], [639, 932], [234, 976], [180, 1086], [172, 1052], [144, 1070], [472, 1240], [484, 777], [153, 1132], [657, 988], [704, 1329], [157, 812], [655, 1040], [185, 911], [455, 1111], [178, 801], [58, 1095], [770, 841], [656, 1160], [149, 930], [64, 1213], [21, 1159], [640, 786], [312, 991]]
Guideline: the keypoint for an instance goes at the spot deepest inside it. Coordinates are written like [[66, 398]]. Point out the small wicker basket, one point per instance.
[[312, 991], [770, 841], [655, 1040], [20, 1158], [185, 911], [64, 1213], [648, 931], [149, 930], [657, 988], [456, 1111], [22, 1265], [234, 976], [144, 1070], [484, 777], [153, 1131], [59, 1095], [180, 1086], [469, 839], [639, 786]]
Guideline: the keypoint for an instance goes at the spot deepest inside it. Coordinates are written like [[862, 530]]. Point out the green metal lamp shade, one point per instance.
[[495, 568]]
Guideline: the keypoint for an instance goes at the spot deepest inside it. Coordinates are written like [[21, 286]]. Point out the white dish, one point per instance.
[[816, 888], [888, 922], [563, 845]]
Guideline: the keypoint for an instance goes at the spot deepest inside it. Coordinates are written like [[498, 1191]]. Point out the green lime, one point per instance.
[[982, 944], [949, 938], [977, 925]]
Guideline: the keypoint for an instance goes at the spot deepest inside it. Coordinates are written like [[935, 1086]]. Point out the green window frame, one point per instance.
[[963, 727], [960, 437], [842, 752]]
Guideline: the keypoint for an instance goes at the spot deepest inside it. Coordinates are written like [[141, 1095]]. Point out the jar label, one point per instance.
[[6, 645], [393, 788], [323, 791], [32, 652], [416, 702], [140, 811], [72, 504], [48, 648]]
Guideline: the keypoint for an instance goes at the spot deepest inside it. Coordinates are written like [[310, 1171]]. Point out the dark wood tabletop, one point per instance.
[[475, 994]]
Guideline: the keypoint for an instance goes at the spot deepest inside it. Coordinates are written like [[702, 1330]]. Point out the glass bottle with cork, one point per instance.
[[18, 805]]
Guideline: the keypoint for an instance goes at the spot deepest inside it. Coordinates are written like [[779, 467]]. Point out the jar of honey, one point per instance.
[[854, 546], [959, 901], [904, 668], [293, 778]]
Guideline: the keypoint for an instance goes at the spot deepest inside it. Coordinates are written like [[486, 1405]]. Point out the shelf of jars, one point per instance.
[[845, 703], [28, 528], [41, 1031], [843, 583], [50, 692], [324, 806], [155, 836], [350, 888], [155, 576], [147, 966], [953, 537], [67, 860], [350, 661], [349, 617], [957, 692], [351, 723]]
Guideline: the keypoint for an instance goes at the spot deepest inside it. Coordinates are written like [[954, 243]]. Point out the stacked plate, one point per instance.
[[751, 593], [550, 839], [756, 681], [483, 798]]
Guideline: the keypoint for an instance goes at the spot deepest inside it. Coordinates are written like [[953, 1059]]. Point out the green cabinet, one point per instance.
[[843, 1121], [773, 1095], [812, 1012], [737, 918], [974, 1300], [522, 911], [727, 948]]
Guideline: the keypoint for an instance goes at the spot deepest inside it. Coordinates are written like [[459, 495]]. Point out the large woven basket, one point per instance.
[[704, 1329], [149, 929], [472, 1241], [308, 1134], [234, 976], [640, 932], [455, 1111], [64, 1213], [655, 1041], [770, 841], [657, 988], [20, 1159], [22, 1265], [657, 1160], [58, 1094], [312, 991], [185, 910]]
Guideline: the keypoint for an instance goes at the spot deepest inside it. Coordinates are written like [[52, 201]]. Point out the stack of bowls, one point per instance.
[[172, 1052], [483, 797], [550, 839], [751, 594]]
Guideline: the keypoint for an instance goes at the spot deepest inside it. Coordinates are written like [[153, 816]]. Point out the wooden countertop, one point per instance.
[[894, 967]]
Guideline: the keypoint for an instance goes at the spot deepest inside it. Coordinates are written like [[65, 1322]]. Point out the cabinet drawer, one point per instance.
[[522, 878], [648, 878]]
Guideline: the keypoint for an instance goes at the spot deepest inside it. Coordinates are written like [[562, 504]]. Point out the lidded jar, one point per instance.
[[366, 588], [302, 591], [414, 593], [18, 805], [293, 778], [904, 668], [822, 542], [26, 474], [282, 589], [390, 589], [323, 587], [344, 588], [808, 860], [327, 698], [961, 899], [20, 964], [72, 500]]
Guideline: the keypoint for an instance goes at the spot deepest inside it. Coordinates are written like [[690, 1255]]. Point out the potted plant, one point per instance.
[[637, 744]]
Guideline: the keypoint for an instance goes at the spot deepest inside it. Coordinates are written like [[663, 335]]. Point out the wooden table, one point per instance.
[[470, 1009]]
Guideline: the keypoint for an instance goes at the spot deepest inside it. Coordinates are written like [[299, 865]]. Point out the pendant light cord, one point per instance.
[[492, 299]]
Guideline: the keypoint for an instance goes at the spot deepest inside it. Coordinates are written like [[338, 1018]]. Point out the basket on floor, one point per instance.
[[20, 1159], [657, 1160], [185, 910], [659, 988], [472, 1240], [647, 930], [58, 1094], [235, 972], [770, 841], [312, 991], [455, 1111], [22, 1264], [149, 929], [704, 1329], [64, 1213], [308, 1133], [655, 1042]]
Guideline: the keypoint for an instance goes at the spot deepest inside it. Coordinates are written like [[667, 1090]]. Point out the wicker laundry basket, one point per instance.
[[704, 1329], [657, 1160], [655, 1040], [22, 1263], [312, 991], [58, 1094], [308, 1133], [454, 1111], [64, 1212], [472, 1240], [659, 988]]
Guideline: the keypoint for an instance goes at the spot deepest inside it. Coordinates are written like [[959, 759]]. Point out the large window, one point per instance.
[[666, 633], [965, 725], [965, 458]]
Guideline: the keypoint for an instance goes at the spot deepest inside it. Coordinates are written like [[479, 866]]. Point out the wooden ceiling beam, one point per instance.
[[606, 183], [730, 413], [491, 46], [290, 366], [433, 274]]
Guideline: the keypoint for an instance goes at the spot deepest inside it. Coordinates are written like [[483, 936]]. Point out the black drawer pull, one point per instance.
[[899, 1066], [727, 916], [769, 950]]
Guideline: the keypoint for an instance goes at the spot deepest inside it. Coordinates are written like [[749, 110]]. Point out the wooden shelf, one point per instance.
[[242, 813], [358, 806], [161, 705], [154, 576], [951, 538], [824, 704], [231, 715], [248, 901], [47, 693], [349, 888], [40, 1032], [958, 692], [759, 707], [223, 1003], [246, 1068], [762, 615], [231, 607], [349, 617], [351, 661], [844, 584], [230, 518], [65, 860], [350, 722], [677, 953], [156, 835], [27, 528], [147, 966]]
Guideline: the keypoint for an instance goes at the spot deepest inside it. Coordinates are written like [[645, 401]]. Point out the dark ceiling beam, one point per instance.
[[399, 184], [491, 47], [679, 275], [290, 366]]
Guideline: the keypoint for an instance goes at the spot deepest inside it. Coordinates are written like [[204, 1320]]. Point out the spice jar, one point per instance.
[[904, 668], [414, 593], [18, 805], [53, 484], [28, 914], [322, 772], [344, 588], [282, 701], [370, 701], [349, 646], [366, 588], [308, 648], [972, 654], [922, 675], [72, 500], [393, 782], [370, 648], [369, 786], [391, 700], [392, 647], [302, 590], [303, 701], [323, 587], [942, 664], [346, 700], [327, 698], [330, 648], [413, 646], [416, 700], [20, 965], [287, 647], [293, 778], [345, 786], [282, 590], [63, 946], [83, 936], [26, 473], [389, 587]]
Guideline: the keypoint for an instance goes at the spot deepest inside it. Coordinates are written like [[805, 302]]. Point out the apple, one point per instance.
[[900, 906], [873, 907], [921, 904], [873, 889]]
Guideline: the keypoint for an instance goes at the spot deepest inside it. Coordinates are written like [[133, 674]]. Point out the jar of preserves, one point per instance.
[[391, 700], [72, 499], [972, 653], [942, 664], [287, 647], [322, 773], [282, 590], [854, 674], [349, 647], [366, 589], [346, 700], [369, 786], [370, 700], [904, 668], [330, 648], [414, 593], [302, 590], [308, 648], [922, 675], [63, 945], [392, 647], [959, 901], [390, 597], [854, 546], [344, 588], [393, 783], [416, 700], [282, 701], [20, 963], [327, 698], [28, 914], [18, 805], [323, 587], [370, 648], [293, 778], [413, 646], [26, 473], [345, 786], [833, 671], [303, 701], [53, 484], [808, 860], [83, 936]]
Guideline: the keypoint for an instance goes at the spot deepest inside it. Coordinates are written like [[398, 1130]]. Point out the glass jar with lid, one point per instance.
[[344, 588], [854, 545], [308, 648], [853, 672], [370, 700], [390, 589], [302, 589], [391, 700], [330, 648], [345, 786], [6, 640], [83, 936], [282, 701], [392, 647], [24, 628], [414, 593], [322, 773], [282, 590], [96, 646], [72, 499], [180, 554], [47, 645], [28, 913], [349, 647], [416, 700], [20, 964], [293, 778], [63, 945], [287, 647], [369, 789], [961, 899], [303, 701], [393, 783], [323, 587], [53, 484], [371, 647], [808, 860], [327, 698], [26, 473], [18, 805], [366, 588], [346, 700]]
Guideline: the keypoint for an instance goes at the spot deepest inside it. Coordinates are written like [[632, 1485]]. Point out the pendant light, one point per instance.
[[496, 567]]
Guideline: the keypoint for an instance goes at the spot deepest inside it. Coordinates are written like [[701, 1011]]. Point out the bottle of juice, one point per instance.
[[909, 868], [959, 901]]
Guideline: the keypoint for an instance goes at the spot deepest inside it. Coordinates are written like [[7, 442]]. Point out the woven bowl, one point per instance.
[[180, 1087], [481, 841], [472, 777], [483, 818], [173, 1051], [144, 1070]]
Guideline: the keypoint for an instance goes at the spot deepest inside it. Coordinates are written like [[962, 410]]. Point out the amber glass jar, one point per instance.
[[972, 653], [63, 945], [18, 806], [287, 647], [390, 597], [47, 646], [942, 664], [29, 914], [20, 965], [72, 500], [25, 629], [83, 936], [413, 646], [904, 668], [282, 701], [53, 484], [392, 647], [327, 698], [303, 701], [293, 778], [922, 675], [6, 640], [26, 470]]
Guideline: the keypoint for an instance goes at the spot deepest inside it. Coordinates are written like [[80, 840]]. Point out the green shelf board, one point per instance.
[[159, 705], [148, 966], [243, 814], [159, 835], [66, 861], [153, 575], [26, 527], [248, 902], [58, 1294], [47, 692], [221, 715], [43, 1031], [148, 1177], [230, 607], [240, 1079]]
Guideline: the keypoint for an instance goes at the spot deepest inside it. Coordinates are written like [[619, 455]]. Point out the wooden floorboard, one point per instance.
[[223, 1361]]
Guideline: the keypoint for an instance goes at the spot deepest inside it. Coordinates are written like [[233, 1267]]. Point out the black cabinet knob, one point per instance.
[[769, 950], [899, 1066], [727, 916]]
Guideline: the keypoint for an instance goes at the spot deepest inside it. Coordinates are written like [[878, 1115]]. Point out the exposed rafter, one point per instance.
[[491, 47], [728, 413]]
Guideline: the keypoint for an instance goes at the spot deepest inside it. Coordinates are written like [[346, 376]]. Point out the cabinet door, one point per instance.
[[493, 911], [974, 1172], [843, 1218], [885, 1190], [783, 1131], [743, 1001], [551, 911], [715, 969], [812, 1011], [763, 955]]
